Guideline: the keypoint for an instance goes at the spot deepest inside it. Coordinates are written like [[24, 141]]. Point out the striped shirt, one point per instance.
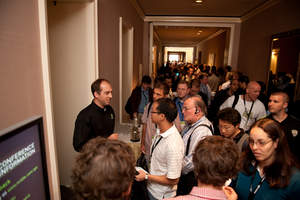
[[166, 160]]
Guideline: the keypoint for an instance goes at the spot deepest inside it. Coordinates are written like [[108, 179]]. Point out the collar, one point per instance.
[[197, 122], [99, 108], [208, 193], [239, 135], [168, 132]]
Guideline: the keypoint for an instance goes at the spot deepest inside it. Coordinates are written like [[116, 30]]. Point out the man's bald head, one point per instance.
[[253, 90]]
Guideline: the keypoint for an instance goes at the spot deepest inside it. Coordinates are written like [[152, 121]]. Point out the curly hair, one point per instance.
[[216, 159], [103, 170]]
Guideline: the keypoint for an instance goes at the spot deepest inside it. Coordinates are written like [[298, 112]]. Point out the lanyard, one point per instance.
[[253, 193], [248, 114], [154, 146]]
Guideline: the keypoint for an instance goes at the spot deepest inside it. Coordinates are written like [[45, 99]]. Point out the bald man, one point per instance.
[[278, 103], [250, 108]]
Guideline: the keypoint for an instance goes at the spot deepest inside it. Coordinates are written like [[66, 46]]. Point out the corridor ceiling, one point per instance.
[[188, 35], [208, 8]]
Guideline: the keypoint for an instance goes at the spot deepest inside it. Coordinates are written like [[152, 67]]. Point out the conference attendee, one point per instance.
[[268, 170], [198, 127], [278, 104], [220, 97], [98, 118], [139, 98], [215, 161], [213, 79], [195, 90], [104, 170], [250, 108], [161, 90], [167, 152], [204, 87], [229, 122], [182, 94]]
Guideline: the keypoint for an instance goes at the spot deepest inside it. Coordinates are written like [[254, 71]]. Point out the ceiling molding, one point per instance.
[[212, 36], [259, 9], [192, 19], [138, 9]]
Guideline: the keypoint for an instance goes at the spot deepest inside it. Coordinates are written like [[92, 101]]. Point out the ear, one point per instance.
[[96, 94], [237, 126], [276, 143], [285, 105]]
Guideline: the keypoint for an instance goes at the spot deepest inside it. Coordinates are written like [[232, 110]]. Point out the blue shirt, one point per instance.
[[291, 192], [144, 100], [179, 105]]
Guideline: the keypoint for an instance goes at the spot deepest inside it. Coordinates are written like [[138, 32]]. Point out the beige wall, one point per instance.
[[73, 68], [109, 13], [256, 32], [21, 78], [215, 45], [20, 64]]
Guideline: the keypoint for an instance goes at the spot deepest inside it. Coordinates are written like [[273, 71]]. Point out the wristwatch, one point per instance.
[[146, 177]]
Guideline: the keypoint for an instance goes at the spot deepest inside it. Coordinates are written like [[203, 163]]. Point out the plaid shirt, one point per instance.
[[202, 193]]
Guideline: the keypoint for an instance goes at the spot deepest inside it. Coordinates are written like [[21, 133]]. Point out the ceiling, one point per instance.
[[208, 8], [187, 35], [184, 35]]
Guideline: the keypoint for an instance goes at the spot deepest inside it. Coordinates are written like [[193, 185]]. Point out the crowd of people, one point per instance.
[[207, 133]]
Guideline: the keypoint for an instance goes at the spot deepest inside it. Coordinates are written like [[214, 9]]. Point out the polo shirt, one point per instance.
[[166, 160], [91, 122]]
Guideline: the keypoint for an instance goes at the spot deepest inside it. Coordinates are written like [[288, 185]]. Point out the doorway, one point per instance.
[[72, 36]]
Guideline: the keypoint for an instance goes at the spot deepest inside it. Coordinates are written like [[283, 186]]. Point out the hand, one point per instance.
[[113, 136], [143, 148], [230, 193], [134, 114], [140, 176]]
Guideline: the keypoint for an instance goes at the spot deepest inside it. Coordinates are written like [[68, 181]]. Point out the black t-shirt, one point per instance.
[[91, 122], [291, 126]]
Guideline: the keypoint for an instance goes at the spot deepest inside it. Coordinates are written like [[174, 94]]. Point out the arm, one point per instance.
[[81, 133], [199, 134], [164, 180]]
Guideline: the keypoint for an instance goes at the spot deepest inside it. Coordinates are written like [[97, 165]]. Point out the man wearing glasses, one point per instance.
[[198, 127], [167, 151]]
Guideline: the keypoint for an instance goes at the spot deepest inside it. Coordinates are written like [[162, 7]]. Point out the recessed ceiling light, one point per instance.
[[198, 1]]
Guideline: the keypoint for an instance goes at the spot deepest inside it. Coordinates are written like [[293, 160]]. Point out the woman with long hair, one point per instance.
[[268, 170]]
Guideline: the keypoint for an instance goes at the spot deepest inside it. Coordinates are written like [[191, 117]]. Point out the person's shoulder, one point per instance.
[[86, 110], [293, 119]]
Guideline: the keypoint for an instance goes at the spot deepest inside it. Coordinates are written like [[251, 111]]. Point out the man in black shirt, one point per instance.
[[98, 118], [278, 103]]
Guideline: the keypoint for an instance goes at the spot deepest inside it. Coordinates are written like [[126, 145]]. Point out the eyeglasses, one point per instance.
[[259, 143], [155, 112]]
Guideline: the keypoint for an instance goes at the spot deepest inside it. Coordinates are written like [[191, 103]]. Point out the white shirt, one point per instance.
[[199, 133], [258, 110], [166, 160]]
